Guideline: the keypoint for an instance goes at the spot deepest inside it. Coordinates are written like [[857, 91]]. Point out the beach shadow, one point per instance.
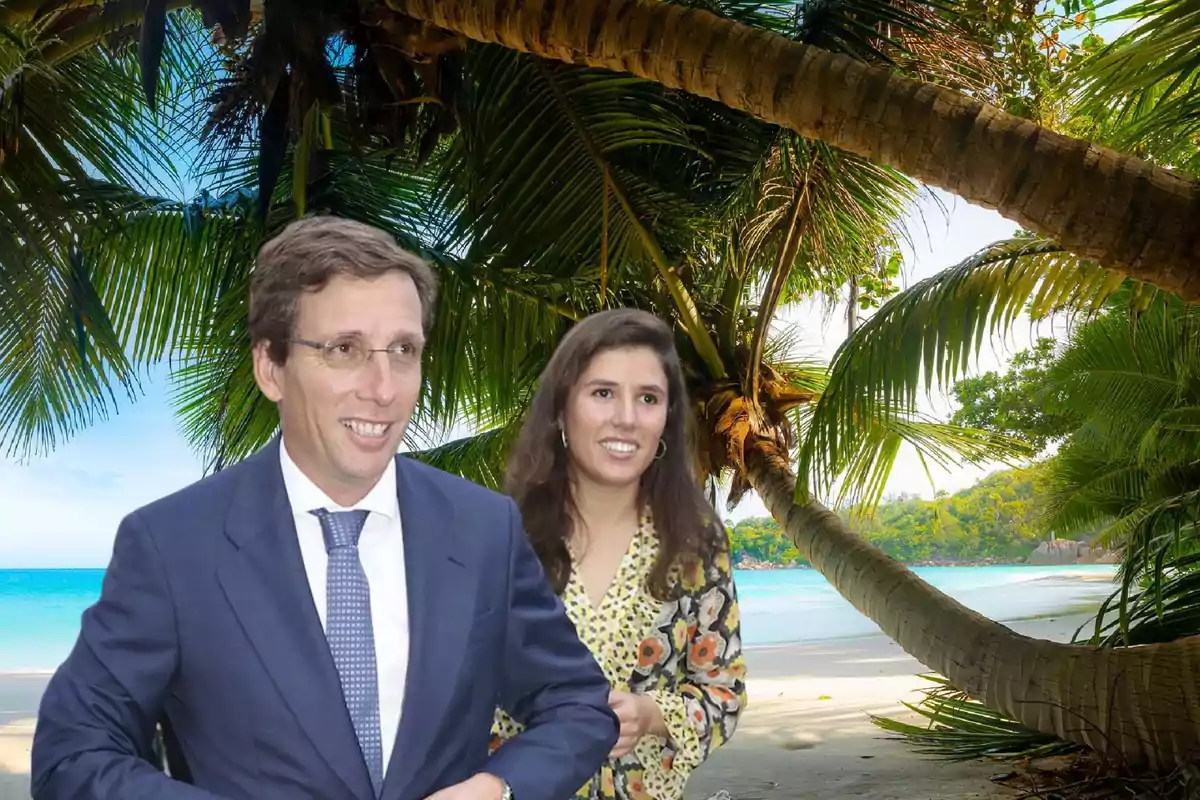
[[15, 740], [20, 695], [14, 787], [829, 750]]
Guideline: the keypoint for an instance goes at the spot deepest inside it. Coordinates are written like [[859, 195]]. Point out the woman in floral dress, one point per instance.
[[602, 472]]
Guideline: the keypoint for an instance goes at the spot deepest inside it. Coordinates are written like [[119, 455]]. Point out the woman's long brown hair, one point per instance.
[[688, 529]]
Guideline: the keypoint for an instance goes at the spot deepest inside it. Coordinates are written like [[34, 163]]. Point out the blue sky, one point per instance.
[[62, 510]]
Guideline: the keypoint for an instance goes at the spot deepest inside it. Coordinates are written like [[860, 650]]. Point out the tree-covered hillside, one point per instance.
[[994, 519]]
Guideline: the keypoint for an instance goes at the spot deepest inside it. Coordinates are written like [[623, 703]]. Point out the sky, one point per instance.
[[62, 509]]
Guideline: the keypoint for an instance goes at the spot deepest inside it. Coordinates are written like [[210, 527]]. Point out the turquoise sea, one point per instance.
[[40, 609]]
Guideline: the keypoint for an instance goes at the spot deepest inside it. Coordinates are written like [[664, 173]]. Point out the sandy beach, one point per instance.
[[806, 733]]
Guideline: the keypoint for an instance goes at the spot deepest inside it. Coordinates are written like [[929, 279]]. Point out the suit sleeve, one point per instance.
[[98, 714], [552, 684]]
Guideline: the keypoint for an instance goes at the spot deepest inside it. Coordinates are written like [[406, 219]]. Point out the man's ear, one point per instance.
[[267, 372]]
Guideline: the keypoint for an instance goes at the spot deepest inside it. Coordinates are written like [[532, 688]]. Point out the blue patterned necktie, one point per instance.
[[349, 632]]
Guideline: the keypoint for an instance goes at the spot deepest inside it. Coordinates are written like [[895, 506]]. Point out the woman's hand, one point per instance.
[[639, 715]]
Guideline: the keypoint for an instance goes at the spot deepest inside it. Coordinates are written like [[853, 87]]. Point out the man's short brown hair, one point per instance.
[[306, 255]]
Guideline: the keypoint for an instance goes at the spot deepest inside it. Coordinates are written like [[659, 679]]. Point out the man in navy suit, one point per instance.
[[326, 620]]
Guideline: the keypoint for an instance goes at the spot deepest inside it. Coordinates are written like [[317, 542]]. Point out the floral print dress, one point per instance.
[[686, 654]]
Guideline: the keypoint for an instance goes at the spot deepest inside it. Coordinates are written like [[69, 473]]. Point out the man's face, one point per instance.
[[343, 420]]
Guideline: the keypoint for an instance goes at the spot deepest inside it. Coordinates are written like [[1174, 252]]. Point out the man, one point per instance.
[[325, 620]]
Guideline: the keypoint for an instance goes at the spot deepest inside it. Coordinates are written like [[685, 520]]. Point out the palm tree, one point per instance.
[[1127, 214], [1130, 703], [1125, 474], [1121, 211], [571, 188], [1128, 371]]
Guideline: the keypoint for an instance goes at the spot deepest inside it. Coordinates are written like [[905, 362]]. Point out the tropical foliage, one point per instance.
[[541, 191], [760, 540], [1022, 402], [1140, 90], [1124, 475], [996, 519], [72, 161]]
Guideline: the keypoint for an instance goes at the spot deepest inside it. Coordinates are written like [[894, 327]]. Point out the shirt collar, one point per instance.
[[305, 496]]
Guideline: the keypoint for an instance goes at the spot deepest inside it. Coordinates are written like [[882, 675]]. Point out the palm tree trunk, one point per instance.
[[852, 307], [1128, 215], [1138, 704]]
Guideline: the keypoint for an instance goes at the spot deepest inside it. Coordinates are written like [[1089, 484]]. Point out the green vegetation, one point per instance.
[[544, 190], [1022, 402], [761, 539], [996, 519]]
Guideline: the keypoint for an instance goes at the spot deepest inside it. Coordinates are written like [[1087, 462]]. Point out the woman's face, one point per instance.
[[615, 416]]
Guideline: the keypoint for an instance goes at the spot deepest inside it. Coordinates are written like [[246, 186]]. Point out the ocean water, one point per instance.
[[40, 609], [782, 606]]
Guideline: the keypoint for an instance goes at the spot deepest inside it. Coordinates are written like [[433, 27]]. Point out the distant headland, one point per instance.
[[989, 524]]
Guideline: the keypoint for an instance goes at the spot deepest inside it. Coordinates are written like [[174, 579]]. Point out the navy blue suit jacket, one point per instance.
[[205, 615]]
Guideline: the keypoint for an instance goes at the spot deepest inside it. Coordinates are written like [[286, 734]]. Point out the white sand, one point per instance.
[[806, 733]]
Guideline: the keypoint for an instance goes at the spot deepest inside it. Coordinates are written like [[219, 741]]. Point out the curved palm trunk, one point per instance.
[[1139, 704], [1123, 212]]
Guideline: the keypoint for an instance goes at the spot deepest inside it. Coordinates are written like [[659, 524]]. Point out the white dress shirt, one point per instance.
[[381, 551]]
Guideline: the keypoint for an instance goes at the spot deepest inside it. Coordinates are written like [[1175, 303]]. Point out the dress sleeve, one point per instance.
[[701, 712]]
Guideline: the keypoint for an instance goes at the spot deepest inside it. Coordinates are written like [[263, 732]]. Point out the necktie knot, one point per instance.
[[341, 528]]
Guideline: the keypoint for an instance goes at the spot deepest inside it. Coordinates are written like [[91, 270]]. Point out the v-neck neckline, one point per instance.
[[619, 577]]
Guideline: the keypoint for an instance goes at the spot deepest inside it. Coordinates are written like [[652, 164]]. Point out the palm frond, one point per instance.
[[963, 729], [163, 266], [931, 332], [222, 413], [864, 472], [1162, 611], [542, 146], [129, 282], [1144, 84], [76, 119], [62, 365], [1127, 477], [495, 333], [819, 217], [479, 458], [565, 175]]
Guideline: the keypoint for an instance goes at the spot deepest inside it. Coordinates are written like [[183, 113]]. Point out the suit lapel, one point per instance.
[[265, 582], [441, 605]]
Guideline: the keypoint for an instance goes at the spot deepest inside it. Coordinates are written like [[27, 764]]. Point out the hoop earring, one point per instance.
[[662, 449], [562, 432]]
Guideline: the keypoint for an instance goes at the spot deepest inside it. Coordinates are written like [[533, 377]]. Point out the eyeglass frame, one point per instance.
[[323, 347]]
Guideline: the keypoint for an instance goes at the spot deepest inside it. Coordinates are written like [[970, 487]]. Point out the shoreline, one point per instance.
[[765, 566], [1083, 614]]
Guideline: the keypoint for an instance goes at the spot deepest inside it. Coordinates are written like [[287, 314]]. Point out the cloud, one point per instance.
[[62, 510]]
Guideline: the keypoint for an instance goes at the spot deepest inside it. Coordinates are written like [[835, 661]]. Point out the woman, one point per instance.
[[603, 477]]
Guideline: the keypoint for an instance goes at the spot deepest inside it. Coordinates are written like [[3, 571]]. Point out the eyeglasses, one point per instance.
[[350, 352]]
